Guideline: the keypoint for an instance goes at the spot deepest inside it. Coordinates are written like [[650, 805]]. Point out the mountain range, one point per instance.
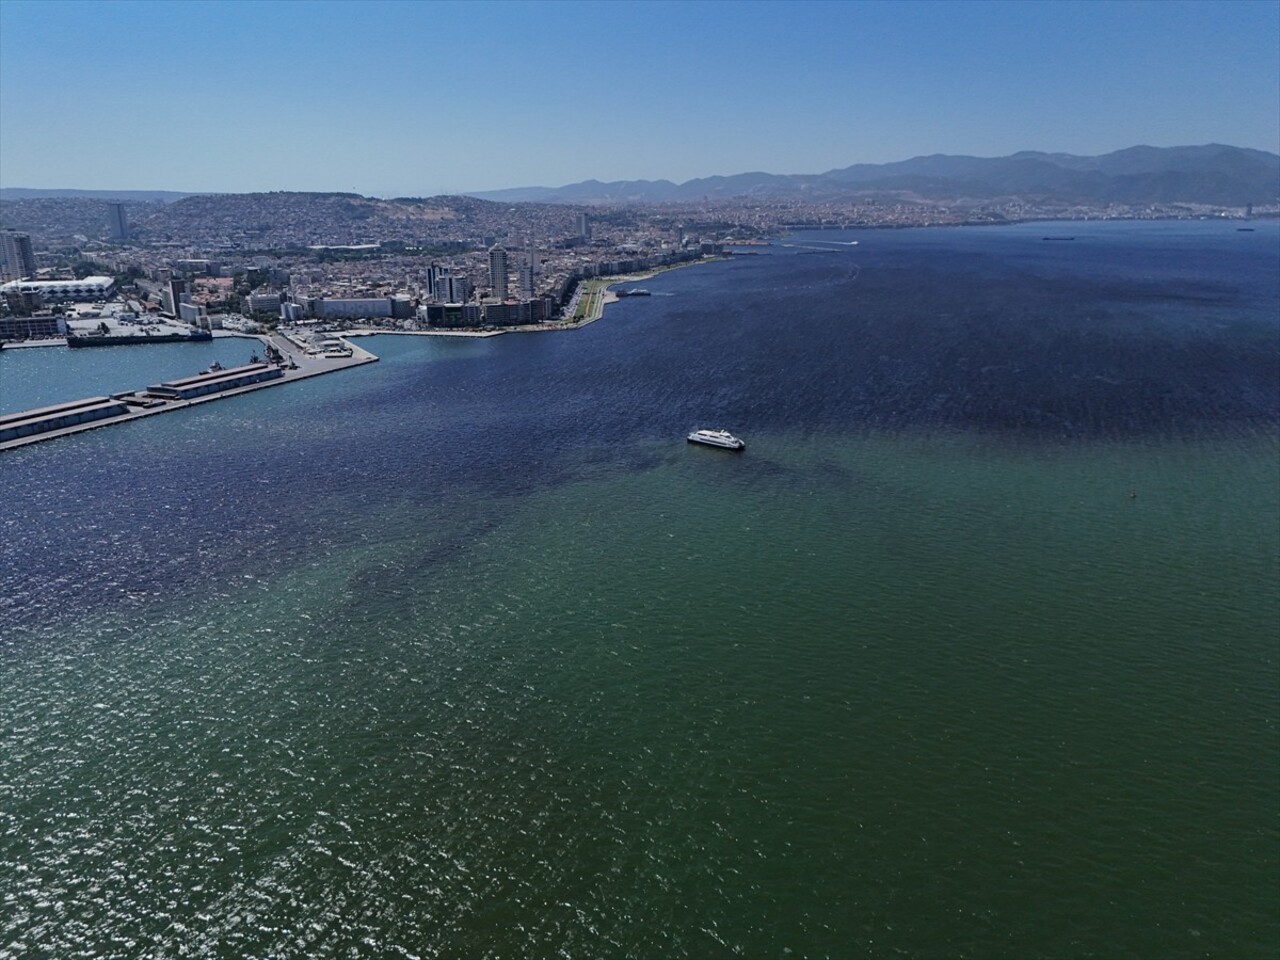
[[1210, 174]]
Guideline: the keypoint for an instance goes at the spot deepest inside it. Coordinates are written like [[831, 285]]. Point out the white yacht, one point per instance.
[[717, 438]]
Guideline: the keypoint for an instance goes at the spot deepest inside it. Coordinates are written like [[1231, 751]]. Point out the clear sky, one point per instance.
[[414, 99]]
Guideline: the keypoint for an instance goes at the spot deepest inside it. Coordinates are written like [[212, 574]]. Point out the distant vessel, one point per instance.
[[1057, 238], [1244, 229], [633, 292], [116, 340], [717, 438]]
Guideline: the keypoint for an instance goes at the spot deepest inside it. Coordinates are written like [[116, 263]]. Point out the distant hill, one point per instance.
[[143, 196], [1212, 174], [285, 219]]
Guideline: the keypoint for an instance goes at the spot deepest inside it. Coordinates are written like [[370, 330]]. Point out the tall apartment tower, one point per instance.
[[118, 220], [17, 259], [451, 289], [584, 227], [528, 271], [444, 287], [173, 294], [498, 271]]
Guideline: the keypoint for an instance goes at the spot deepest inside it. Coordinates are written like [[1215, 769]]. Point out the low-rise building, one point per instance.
[[62, 291], [262, 303], [40, 327], [355, 309]]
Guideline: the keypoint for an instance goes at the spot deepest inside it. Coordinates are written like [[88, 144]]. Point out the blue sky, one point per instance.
[[406, 98]]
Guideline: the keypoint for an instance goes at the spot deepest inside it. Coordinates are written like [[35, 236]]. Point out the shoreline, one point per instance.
[[602, 293]]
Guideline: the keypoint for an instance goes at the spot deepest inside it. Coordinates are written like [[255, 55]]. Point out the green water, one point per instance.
[[914, 695]]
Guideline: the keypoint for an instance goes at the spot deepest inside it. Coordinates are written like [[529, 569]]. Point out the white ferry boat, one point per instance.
[[717, 438]]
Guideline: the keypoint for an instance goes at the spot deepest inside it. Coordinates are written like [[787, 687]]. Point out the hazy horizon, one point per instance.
[[386, 99], [388, 196]]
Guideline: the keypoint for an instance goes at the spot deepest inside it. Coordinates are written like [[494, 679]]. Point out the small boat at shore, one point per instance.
[[717, 438]]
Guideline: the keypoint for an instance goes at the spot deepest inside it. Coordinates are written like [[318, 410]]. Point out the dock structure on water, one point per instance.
[[47, 423], [215, 381], [33, 423]]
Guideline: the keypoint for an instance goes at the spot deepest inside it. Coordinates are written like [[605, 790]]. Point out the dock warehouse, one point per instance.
[[204, 384], [14, 426]]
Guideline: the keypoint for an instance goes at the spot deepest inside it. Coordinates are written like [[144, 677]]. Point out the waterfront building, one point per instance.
[[118, 221], [32, 328], [61, 291], [195, 314], [501, 314], [23, 303], [451, 314], [172, 295], [498, 271], [17, 259]]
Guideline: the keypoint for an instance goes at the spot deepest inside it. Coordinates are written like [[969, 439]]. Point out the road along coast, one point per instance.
[[599, 293]]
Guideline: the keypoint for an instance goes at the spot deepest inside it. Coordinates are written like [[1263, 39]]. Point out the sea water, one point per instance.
[[467, 653]]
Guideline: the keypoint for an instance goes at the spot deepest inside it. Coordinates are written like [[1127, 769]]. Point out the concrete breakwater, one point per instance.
[[59, 420]]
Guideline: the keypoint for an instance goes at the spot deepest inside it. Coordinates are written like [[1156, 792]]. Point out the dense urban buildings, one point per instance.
[[409, 263]]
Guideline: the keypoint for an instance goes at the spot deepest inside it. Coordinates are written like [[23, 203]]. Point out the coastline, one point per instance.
[[601, 295]]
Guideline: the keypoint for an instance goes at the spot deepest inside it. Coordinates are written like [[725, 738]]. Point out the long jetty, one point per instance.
[[64, 419]]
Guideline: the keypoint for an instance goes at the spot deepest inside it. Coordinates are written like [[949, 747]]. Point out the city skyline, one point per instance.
[[417, 99]]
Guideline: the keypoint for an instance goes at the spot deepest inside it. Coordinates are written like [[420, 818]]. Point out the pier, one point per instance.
[[64, 419]]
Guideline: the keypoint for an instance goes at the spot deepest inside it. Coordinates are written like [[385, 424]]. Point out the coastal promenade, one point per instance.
[[599, 293], [296, 365]]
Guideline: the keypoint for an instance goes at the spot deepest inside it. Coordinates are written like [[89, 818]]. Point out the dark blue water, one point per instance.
[[467, 653]]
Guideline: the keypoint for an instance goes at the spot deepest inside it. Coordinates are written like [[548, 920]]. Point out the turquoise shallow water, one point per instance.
[[389, 664], [33, 377]]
